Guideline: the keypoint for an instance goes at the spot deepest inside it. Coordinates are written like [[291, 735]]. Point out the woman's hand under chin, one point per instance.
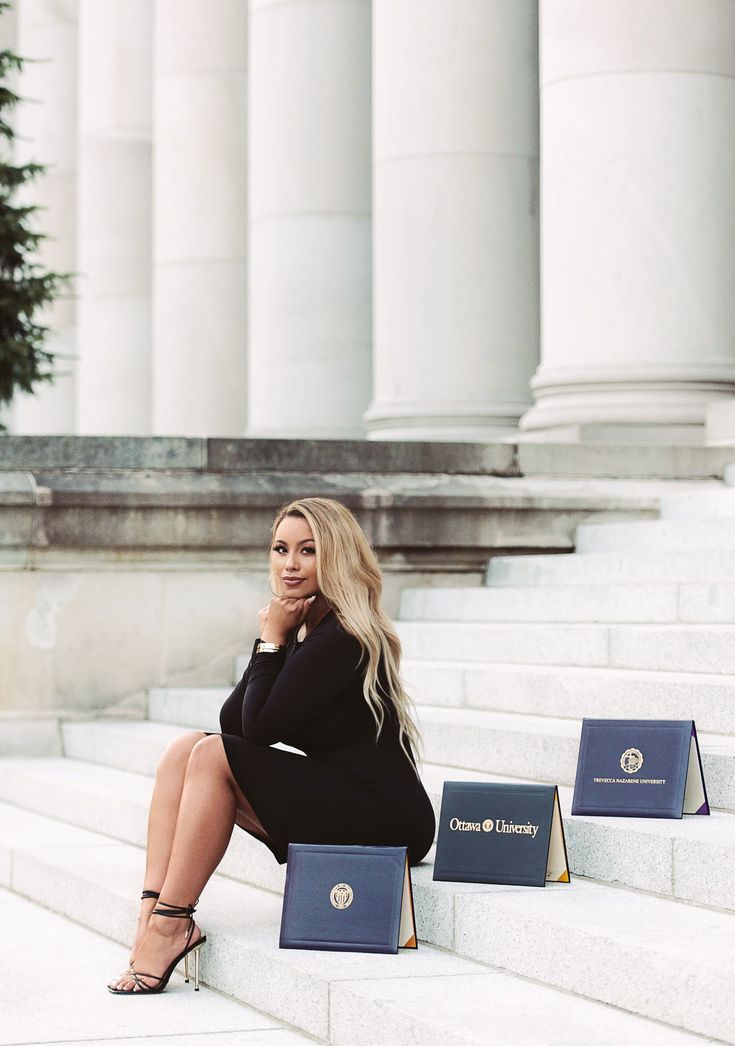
[[282, 616]]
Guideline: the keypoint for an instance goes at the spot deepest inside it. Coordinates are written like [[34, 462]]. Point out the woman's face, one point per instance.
[[293, 559]]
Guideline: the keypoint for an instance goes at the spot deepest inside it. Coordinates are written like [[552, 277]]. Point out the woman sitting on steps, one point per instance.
[[324, 678]]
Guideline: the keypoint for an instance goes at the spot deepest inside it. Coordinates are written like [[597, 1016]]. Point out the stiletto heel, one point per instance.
[[195, 953], [172, 911]]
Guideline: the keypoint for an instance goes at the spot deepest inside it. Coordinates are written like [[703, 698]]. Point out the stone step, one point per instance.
[[624, 603], [195, 707], [540, 748], [632, 567], [346, 998], [664, 648], [453, 1014], [692, 859], [658, 536], [653, 955], [705, 504], [83, 793], [543, 749], [95, 881], [564, 691], [132, 745], [90, 1016]]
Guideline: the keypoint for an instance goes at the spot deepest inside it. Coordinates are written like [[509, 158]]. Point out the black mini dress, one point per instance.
[[349, 787]]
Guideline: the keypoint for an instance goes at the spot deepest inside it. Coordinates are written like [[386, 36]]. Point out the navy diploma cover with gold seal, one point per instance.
[[500, 833], [348, 899], [639, 768]]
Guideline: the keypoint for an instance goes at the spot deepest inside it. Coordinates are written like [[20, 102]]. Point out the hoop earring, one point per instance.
[[270, 584]]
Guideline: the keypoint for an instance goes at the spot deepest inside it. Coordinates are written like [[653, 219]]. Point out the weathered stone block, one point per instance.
[[616, 460], [118, 452], [309, 455]]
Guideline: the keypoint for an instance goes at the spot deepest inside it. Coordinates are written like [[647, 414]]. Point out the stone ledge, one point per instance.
[[408, 512], [106, 452], [253, 455], [505, 458], [292, 455], [632, 461], [177, 494], [20, 488]]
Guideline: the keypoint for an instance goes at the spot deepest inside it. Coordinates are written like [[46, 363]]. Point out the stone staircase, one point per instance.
[[640, 947]]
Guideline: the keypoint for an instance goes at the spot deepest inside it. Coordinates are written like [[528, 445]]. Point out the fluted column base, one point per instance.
[[453, 422], [720, 426], [656, 405]]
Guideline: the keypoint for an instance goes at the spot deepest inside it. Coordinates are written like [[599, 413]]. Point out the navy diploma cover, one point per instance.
[[348, 899], [639, 768], [501, 833]]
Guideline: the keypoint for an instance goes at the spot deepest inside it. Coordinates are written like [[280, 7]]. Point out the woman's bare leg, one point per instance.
[[210, 802], [164, 810]]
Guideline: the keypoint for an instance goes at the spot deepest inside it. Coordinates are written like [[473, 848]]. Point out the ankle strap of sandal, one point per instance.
[[175, 911], [148, 894]]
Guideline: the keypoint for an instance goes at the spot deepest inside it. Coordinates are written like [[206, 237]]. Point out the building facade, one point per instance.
[[405, 219]]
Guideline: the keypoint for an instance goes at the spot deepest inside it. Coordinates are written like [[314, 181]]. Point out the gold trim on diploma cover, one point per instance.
[[631, 760], [341, 896]]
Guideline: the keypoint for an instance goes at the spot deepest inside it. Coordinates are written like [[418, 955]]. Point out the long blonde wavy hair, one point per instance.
[[349, 578]]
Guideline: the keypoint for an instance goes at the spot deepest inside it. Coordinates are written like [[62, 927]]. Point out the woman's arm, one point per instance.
[[230, 715], [277, 621], [282, 697]]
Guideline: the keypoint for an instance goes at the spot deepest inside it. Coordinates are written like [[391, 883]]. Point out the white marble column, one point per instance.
[[638, 238], [309, 238], [455, 201], [46, 129], [199, 217], [114, 217]]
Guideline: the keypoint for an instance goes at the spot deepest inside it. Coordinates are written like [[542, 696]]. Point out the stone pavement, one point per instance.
[[53, 975]]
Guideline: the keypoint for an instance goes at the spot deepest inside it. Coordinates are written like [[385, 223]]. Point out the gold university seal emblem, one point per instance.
[[341, 895], [631, 760]]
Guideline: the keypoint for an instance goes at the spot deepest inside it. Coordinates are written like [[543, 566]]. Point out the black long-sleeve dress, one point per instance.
[[348, 788]]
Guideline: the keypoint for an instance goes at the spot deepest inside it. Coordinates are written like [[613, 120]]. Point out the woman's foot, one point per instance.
[[147, 905], [164, 940]]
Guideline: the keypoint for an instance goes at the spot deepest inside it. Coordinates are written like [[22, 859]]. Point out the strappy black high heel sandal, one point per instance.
[[145, 896], [171, 911]]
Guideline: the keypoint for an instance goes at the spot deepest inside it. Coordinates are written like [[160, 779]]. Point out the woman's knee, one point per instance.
[[178, 751], [208, 753]]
